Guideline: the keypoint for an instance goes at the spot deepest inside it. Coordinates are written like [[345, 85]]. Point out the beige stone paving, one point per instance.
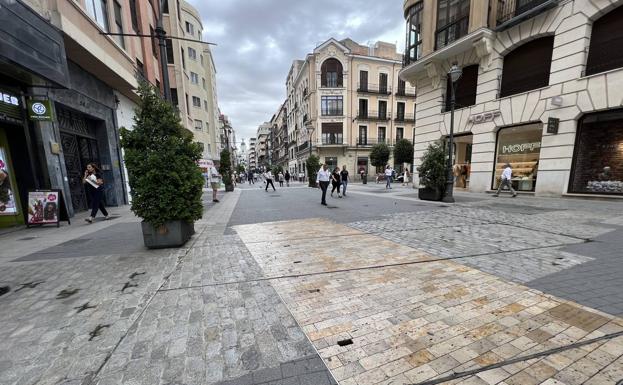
[[416, 322]]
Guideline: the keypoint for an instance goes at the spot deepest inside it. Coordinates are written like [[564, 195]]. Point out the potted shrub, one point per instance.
[[432, 173], [164, 177], [313, 165], [379, 155], [225, 170], [403, 152]]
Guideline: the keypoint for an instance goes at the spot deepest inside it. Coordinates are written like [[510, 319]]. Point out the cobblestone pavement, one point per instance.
[[414, 318]]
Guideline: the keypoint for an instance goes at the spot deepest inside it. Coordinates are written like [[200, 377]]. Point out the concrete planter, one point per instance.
[[429, 194], [171, 234]]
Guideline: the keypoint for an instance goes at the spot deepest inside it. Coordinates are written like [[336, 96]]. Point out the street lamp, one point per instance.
[[310, 130], [454, 75]]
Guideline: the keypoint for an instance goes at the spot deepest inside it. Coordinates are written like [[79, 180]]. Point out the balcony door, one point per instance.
[[363, 108], [363, 80], [382, 83], [382, 109], [382, 131], [363, 135], [400, 112]]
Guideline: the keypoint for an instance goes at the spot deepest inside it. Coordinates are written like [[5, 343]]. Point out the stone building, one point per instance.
[[349, 98], [541, 89]]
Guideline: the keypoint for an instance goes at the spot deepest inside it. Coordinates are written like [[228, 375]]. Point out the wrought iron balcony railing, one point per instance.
[[404, 92], [373, 115], [512, 12], [368, 88], [404, 117], [452, 32], [365, 141]]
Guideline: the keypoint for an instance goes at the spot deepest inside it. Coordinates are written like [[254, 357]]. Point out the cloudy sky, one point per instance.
[[258, 40]]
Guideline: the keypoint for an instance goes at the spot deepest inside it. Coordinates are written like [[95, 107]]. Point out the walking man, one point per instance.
[[250, 177], [344, 175], [507, 175], [215, 181], [388, 175], [269, 180], [287, 176], [322, 179]]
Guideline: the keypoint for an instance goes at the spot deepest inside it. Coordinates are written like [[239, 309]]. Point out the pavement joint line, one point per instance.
[[619, 382], [353, 269], [515, 360]]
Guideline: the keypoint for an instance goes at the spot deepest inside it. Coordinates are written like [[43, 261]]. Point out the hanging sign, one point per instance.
[[39, 110]]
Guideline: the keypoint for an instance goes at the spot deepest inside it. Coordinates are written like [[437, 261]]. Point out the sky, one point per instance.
[[257, 40]]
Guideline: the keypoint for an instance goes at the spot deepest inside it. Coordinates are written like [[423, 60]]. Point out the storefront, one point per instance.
[[519, 146], [11, 119], [598, 159]]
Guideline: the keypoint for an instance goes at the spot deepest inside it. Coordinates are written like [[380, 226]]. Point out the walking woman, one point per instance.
[[95, 188], [336, 181]]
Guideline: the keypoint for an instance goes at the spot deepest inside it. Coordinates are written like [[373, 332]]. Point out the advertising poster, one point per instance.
[[8, 205], [204, 165], [43, 207]]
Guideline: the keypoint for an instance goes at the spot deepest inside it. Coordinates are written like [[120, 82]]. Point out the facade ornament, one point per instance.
[[483, 48], [433, 73]]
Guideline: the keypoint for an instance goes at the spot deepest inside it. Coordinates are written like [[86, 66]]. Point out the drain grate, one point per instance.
[[345, 342]]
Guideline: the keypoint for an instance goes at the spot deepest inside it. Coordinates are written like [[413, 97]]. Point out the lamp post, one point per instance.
[[454, 75], [310, 131]]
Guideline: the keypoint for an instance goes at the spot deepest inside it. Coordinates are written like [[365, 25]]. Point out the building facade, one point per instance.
[[57, 54], [263, 145], [252, 154], [344, 99], [279, 138], [540, 89]]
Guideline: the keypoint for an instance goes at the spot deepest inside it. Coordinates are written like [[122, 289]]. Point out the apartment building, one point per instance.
[[344, 99], [279, 137], [263, 145], [252, 154], [56, 56], [540, 89], [192, 75]]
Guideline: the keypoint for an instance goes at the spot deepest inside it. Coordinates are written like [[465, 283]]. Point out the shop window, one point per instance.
[[464, 88], [604, 53], [520, 147], [598, 161], [527, 67], [362, 165], [331, 73], [413, 44], [8, 193]]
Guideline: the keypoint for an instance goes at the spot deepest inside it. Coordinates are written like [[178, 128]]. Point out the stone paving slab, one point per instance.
[[416, 322]]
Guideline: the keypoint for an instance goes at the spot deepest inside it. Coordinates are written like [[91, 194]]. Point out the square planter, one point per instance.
[[429, 194], [171, 234]]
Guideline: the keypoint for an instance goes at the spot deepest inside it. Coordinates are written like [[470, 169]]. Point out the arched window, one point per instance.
[[413, 44], [604, 53], [527, 67], [331, 73]]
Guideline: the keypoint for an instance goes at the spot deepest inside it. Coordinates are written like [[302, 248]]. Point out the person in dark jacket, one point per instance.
[[95, 188], [287, 176], [336, 181]]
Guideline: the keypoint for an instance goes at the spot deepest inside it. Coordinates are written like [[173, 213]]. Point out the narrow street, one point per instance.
[[378, 288]]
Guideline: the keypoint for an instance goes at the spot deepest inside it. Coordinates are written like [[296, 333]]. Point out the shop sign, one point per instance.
[[8, 204], [43, 207], [521, 148], [10, 109], [484, 117], [552, 125], [39, 110]]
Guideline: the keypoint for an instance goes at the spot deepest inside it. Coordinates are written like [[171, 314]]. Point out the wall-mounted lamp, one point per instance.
[[557, 101]]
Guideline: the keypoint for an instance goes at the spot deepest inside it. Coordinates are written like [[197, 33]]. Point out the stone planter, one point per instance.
[[429, 194], [171, 234]]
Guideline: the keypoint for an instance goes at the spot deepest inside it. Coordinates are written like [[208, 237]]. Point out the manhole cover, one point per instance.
[[27, 239]]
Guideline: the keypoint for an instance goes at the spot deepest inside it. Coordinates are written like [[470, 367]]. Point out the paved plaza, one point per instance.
[[378, 288]]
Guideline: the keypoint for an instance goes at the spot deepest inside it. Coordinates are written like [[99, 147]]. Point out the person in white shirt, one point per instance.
[[507, 176], [269, 180], [215, 180], [388, 176], [322, 179]]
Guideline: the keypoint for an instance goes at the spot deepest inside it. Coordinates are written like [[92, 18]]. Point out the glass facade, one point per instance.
[[413, 44], [520, 147]]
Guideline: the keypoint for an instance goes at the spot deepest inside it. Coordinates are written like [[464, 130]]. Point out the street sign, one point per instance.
[[39, 110]]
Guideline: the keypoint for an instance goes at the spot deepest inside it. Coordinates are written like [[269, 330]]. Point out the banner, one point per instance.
[[43, 207]]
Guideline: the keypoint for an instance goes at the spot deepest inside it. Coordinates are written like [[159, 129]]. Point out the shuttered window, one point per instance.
[[527, 67], [605, 51], [465, 88]]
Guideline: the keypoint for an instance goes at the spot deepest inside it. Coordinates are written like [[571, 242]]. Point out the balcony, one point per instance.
[[367, 88], [404, 93], [373, 115], [407, 118], [302, 147], [369, 142], [331, 140], [513, 12]]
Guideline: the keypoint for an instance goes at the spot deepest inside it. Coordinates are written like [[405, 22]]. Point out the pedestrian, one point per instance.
[[95, 187], [322, 180], [336, 181], [345, 180], [405, 178], [281, 178], [287, 176], [214, 179], [250, 178], [506, 180], [269, 180], [388, 175]]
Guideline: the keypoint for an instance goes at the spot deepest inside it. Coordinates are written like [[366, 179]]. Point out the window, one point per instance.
[[332, 133], [363, 80], [165, 6], [363, 108], [520, 146], [194, 78], [196, 102], [170, 56], [119, 23], [452, 21], [527, 67], [97, 9], [363, 135], [201, 146], [414, 34], [205, 105], [203, 82], [383, 83], [465, 88], [400, 112], [604, 53], [381, 134], [382, 109], [183, 59], [187, 105], [140, 69], [154, 42], [174, 98], [190, 28], [332, 105], [134, 15], [401, 87], [331, 73], [198, 125], [192, 53], [400, 133], [201, 59]]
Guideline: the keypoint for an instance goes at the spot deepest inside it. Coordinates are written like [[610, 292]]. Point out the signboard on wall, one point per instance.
[[10, 107], [39, 110]]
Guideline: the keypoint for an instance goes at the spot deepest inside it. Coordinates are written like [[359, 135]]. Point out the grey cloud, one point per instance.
[[258, 39]]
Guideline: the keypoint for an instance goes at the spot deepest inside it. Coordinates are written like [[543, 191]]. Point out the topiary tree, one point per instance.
[[433, 168], [161, 159], [313, 165], [403, 152], [225, 170], [379, 156], [241, 169]]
